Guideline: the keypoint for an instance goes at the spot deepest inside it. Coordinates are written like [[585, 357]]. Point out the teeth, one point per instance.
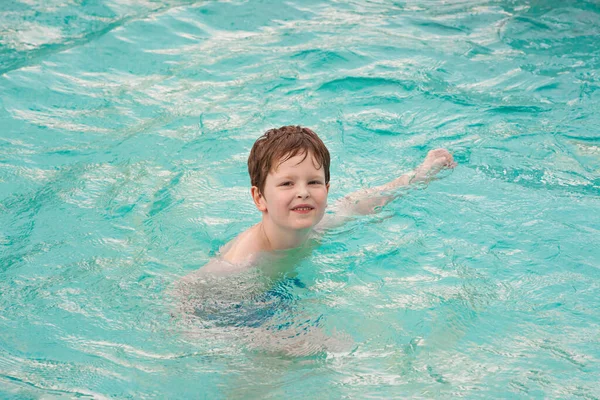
[[303, 208]]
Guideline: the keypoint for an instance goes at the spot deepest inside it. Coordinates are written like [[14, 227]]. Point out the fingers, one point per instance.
[[441, 157], [439, 153]]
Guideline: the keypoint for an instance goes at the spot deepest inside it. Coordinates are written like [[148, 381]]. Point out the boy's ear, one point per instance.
[[327, 187], [259, 199]]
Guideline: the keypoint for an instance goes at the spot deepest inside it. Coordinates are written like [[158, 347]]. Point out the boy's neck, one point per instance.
[[276, 238]]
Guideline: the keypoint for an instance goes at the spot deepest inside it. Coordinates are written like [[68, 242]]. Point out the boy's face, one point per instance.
[[295, 194]]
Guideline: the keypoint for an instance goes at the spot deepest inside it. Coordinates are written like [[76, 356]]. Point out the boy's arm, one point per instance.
[[369, 201]]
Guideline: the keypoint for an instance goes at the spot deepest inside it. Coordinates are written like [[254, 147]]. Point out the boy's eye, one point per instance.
[[286, 184], [314, 182]]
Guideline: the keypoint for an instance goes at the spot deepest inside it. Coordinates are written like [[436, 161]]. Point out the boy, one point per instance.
[[289, 173]]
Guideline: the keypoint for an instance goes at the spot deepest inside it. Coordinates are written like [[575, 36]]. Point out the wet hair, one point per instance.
[[276, 146]]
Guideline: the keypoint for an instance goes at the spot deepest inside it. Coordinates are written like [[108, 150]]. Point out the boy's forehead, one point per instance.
[[294, 162]]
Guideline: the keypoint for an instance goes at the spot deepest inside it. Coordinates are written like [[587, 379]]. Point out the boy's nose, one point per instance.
[[303, 193]]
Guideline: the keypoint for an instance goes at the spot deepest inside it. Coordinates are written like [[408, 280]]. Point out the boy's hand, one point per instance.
[[435, 161]]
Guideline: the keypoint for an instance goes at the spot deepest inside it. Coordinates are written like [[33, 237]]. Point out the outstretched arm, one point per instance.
[[368, 201]]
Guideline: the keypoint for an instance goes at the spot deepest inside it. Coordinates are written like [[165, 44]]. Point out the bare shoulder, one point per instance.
[[243, 248], [238, 255]]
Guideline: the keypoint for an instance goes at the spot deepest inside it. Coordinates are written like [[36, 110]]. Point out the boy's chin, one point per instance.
[[304, 224]]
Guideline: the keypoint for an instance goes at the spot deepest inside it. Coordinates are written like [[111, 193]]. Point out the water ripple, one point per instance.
[[125, 132]]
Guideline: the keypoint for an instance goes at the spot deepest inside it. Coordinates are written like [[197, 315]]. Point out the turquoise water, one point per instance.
[[124, 132]]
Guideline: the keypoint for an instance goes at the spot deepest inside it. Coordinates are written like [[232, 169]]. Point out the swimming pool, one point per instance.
[[124, 132]]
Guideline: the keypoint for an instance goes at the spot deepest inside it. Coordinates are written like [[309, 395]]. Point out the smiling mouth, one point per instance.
[[302, 208]]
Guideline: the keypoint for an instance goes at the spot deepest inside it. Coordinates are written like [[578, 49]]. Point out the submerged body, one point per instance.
[[255, 304]]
